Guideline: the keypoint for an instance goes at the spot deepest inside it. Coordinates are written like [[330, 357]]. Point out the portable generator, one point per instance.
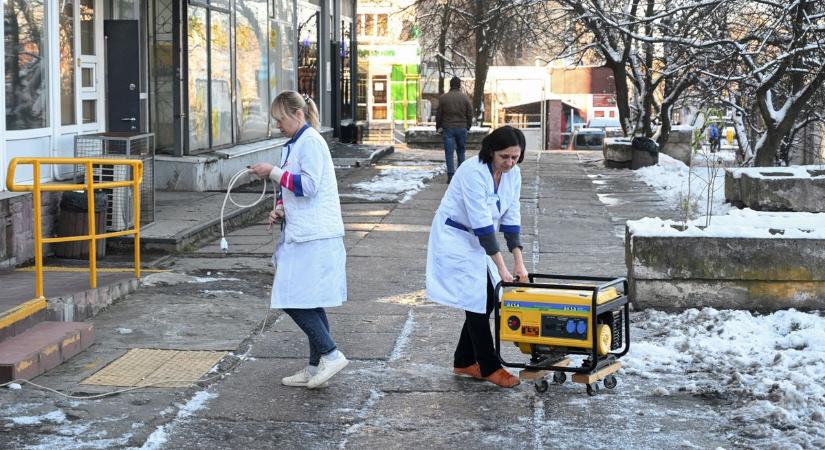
[[569, 315]]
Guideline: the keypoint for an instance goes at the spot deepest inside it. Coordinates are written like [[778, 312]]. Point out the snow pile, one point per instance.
[[745, 223], [670, 180], [768, 368], [54, 417], [815, 171], [404, 179]]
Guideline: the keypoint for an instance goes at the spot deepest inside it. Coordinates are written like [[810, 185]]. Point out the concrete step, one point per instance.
[[20, 316], [42, 348]]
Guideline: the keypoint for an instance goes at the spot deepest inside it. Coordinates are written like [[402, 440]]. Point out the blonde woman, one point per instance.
[[310, 256]]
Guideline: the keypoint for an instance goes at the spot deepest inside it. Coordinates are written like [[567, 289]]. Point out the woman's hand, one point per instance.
[[277, 215], [261, 169], [505, 274], [520, 272]]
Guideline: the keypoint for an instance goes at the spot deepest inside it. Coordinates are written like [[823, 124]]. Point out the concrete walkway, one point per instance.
[[398, 392]]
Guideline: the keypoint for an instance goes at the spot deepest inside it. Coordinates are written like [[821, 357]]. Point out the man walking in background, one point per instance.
[[454, 117]]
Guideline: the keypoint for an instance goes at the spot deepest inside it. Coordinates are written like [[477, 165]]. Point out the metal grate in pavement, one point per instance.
[[162, 368]]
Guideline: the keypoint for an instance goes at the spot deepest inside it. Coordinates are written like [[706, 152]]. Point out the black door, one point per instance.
[[122, 75]]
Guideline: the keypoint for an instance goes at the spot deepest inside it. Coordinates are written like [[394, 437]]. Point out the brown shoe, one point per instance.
[[502, 378], [470, 371]]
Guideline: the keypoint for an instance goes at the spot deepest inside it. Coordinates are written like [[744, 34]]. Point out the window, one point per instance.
[[598, 113], [346, 72], [26, 64], [87, 27], [374, 25], [251, 53], [281, 52], [67, 64], [308, 51]]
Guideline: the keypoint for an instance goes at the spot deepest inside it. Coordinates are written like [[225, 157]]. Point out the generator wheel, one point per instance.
[[610, 381], [541, 386], [592, 389], [559, 377]]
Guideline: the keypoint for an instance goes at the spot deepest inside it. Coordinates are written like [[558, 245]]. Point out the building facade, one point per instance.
[[199, 74]]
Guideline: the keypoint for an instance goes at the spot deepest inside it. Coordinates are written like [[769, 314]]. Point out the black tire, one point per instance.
[[610, 381], [592, 389], [559, 377], [542, 386]]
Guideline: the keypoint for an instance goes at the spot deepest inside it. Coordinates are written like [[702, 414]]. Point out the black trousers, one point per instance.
[[476, 342]]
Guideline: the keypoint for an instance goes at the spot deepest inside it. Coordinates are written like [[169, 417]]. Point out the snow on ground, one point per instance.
[[770, 367], [767, 368], [676, 183], [402, 179], [161, 434]]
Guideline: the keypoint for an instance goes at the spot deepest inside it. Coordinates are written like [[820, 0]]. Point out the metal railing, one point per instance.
[[89, 186]]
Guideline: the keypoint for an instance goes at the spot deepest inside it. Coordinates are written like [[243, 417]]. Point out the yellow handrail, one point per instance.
[[89, 187]]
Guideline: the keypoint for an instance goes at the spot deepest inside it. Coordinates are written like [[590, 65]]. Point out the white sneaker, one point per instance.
[[327, 368], [300, 379]]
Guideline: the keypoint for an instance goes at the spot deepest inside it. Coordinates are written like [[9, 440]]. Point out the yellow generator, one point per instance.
[[561, 317]]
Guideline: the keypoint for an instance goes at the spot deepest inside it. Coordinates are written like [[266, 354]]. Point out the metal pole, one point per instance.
[[90, 201], [137, 172], [38, 231]]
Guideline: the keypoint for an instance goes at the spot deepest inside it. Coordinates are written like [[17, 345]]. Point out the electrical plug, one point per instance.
[[224, 245]]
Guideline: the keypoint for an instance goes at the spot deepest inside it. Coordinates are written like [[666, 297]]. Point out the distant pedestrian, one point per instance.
[[455, 118], [310, 255], [463, 258], [714, 137]]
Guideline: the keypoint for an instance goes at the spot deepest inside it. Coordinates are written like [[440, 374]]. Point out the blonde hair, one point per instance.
[[287, 103]]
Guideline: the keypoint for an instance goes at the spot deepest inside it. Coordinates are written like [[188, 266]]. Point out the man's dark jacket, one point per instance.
[[454, 110]]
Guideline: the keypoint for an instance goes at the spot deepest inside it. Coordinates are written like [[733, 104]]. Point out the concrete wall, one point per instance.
[[17, 226], [678, 144], [428, 139], [781, 193], [677, 273]]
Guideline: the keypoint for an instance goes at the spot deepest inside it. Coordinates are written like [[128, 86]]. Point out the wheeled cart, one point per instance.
[[563, 316]]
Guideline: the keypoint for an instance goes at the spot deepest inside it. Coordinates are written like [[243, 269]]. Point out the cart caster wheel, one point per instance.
[[592, 389], [610, 382], [559, 377], [541, 386]]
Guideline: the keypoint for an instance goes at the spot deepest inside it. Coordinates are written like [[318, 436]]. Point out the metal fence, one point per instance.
[[140, 146]]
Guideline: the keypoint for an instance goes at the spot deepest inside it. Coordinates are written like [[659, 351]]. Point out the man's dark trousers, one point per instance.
[[455, 139]]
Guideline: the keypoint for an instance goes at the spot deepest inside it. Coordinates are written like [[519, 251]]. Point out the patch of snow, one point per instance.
[[773, 363], [394, 181], [14, 386], [670, 180], [54, 417], [161, 435], [780, 172], [744, 223], [173, 278], [124, 330]]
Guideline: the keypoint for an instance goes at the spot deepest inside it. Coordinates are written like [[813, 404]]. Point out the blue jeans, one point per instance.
[[314, 324], [454, 139]]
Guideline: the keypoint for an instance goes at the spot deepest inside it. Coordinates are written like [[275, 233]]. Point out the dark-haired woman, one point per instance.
[[463, 257]]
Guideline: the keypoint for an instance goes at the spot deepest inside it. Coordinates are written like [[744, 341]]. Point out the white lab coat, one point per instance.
[[457, 265], [310, 257]]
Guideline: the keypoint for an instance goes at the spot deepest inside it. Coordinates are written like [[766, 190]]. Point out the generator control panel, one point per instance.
[[563, 327]]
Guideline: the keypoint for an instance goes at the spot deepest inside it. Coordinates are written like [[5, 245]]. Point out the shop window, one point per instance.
[[308, 51], [251, 50], [598, 113], [26, 64]]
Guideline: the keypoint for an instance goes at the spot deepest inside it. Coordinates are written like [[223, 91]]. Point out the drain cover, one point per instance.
[[163, 368]]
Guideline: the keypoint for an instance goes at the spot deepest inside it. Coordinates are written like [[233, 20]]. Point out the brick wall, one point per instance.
[[17, 227]]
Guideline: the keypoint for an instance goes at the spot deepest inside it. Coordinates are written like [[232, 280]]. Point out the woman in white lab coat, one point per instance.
[[463, 258], [310, 256]]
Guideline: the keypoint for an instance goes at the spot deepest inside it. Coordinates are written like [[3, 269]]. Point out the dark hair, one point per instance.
[[499, 139], [455, 82]]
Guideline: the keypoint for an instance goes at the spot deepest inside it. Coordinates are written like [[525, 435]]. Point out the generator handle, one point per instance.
[[545, 276]]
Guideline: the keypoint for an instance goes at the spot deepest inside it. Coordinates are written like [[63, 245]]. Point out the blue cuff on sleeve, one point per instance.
[[298, 189], [489, 229], [509, 228]]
